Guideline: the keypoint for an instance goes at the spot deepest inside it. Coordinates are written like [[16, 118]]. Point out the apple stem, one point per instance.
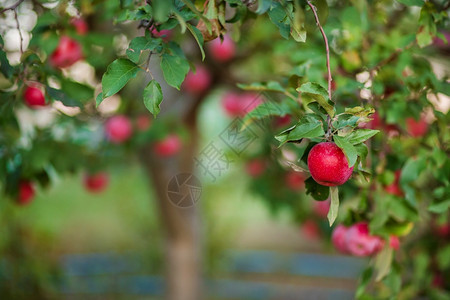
[[330, 79]]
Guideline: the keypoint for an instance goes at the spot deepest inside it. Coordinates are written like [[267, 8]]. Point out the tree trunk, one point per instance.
[[182, 226]]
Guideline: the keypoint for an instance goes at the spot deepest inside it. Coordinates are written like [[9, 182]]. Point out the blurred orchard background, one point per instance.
[[103, 103]]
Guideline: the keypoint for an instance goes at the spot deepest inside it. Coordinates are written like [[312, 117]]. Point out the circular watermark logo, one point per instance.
[[184, 190]]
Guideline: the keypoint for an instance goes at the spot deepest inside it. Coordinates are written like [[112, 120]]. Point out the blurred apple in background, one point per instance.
[[66, 53], [283, 121], [338, 238], [321, 208], [143, 122], [198, 82], [416, 128], [33, 97], [238, 105], [255, 167], [168, 146], [360, 242], [394, 187], [310, 229], [295, 180], [80, 25], [118, 129], [96, 183], [222, 51], [26, 192]]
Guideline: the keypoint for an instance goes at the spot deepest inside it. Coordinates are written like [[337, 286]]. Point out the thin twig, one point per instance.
[[330, 79], [313, 8], [147, 63], [20, 32], [12, 7]]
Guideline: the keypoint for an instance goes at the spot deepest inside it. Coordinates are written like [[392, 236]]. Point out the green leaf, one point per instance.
[[412, 2], [443, 257], [117, 75], [153, 97], [265, 109], [439, 208], [347, 147], [360, 136], [277, 15], [174, 69], [263, 6], [140, 44], [77, 90], [98, 99], [364, 281], [383, 262], [198, 38], [61, 96], [5, 67], [359, 111], [317, 191], [306, 128], [319, 94], [334, 206]]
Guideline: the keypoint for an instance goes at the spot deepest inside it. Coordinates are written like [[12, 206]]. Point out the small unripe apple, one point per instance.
[[255, 167], [143, 122], [359, 241], [338, 238], [295, 180], [96, 183], [26, 192], [165, 34], [80, 25], [416, 128], [328, 164], [310, 230], [222, 51], [66, 53], [321, 208], [33, 97], [169, 146], [118, 129], [198, 82], [394, 187]]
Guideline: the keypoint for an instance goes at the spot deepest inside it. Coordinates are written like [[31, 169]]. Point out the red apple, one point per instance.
[[198, 82], [328, 164], [416, 128], [321, 208], [359, 241], [438, 280], [222, 51], [80, 25], [394, 187], [143, 122], [26, 192], [169, 146], [310, 230], [295, 180], [338, 238], [33, 97], [165, 34], [96, 183], [118, 129], [238, 105], [66, 53], [255, 167]]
